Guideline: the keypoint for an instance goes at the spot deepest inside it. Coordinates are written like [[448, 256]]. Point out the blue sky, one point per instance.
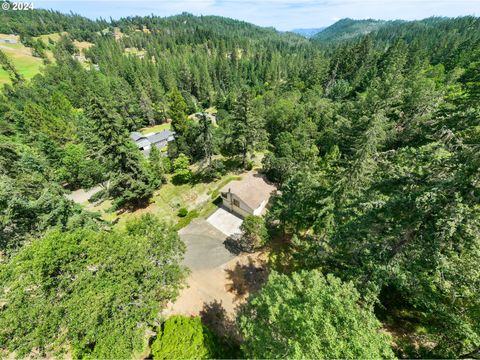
[[281, 14]]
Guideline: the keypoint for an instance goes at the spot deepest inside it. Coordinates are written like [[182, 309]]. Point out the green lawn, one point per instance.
[[156, 128], [21, 57], [166, 201]]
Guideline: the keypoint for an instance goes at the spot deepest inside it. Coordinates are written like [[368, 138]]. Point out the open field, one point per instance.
[[4, 78], [82, 45], [23, 60]]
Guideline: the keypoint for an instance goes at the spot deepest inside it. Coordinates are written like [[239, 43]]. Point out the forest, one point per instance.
[[371, 131]]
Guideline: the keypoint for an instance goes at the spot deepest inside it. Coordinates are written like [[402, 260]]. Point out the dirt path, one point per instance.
[[215, 294]]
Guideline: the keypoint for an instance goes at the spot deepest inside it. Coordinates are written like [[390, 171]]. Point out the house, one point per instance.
[[8, 41], [159, 139], [248, 196]]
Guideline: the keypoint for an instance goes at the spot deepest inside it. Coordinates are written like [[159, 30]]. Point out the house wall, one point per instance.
[[242, 210], [258, 211]]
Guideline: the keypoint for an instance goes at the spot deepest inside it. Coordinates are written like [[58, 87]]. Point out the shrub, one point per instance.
[[181, 171], [182, 337], [182, 212], [184, 221], [249, 165], [167, 164], [215, 171]]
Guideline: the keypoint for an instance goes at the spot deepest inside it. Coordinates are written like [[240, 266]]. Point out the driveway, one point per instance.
[[225, 221], [219, 280], [205, 249]]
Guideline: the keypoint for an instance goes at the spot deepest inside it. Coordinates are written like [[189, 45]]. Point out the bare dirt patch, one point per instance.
[[216, 294], [222, 289]]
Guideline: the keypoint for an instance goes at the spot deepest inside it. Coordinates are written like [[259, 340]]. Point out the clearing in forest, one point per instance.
[[22, 58]]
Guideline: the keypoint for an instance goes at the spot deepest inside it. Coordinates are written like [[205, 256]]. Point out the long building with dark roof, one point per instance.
[[145, 142]]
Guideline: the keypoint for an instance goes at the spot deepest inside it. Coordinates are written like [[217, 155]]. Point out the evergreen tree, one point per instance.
[[245, 129], [156, 165], [177, 108], [206, 137], [130, 182]]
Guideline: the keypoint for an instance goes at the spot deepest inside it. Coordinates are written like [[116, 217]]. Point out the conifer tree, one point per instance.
[[177, 112], [206, 137], [129, 177], [246, 128]]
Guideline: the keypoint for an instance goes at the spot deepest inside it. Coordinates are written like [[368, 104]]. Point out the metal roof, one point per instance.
[[161, 136], [142, 143], [135, 135]]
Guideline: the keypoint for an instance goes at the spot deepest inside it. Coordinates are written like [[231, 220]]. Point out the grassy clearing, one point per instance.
[[23, 60], [200, 199], [54, 37], [82, 45], [136, 52], [4, 78], [156, 128]]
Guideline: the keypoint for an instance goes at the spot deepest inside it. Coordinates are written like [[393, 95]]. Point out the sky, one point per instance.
[[281, 14]]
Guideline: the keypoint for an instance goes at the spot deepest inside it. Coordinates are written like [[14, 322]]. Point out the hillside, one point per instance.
[[308, 33], [40, 22], [21, 58], [346, 29]]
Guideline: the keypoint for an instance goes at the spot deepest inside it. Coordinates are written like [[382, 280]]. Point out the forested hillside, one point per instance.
[[308, 33], [373, 141], [347, 29]]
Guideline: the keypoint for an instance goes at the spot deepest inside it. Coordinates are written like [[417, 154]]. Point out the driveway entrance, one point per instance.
[[225, 221]]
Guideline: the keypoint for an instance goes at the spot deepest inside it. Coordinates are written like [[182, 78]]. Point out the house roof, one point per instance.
[[142, 142], [135, 135], [253, 190], [160, 136]]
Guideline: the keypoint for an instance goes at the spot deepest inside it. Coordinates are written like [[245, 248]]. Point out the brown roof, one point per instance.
[[252, 189]]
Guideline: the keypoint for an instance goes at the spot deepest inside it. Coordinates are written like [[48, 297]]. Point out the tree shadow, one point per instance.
[[246, 278], [132, 206], [215, 317]]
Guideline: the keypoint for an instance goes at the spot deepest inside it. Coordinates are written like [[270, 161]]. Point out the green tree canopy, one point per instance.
[[94, 291], [310, 316], [255, 232], [182, 337], [181, 170]]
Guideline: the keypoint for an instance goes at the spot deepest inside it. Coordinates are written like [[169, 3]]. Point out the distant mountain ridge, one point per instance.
[[345, 29], [309, 32]]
